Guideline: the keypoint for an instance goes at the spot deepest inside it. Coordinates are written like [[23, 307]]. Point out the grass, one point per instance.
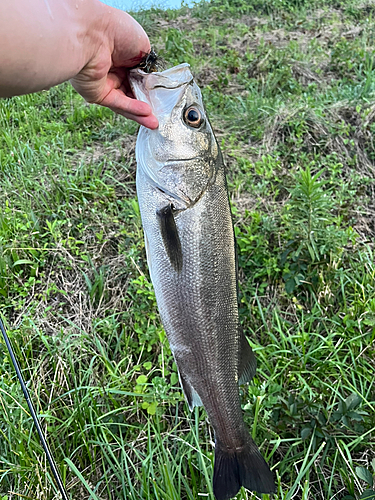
[[290, 90]]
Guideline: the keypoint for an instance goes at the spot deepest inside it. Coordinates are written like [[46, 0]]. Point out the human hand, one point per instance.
[[104, 79], [85, 41]]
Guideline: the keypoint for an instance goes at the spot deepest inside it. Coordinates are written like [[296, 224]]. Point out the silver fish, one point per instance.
[[189, 239]]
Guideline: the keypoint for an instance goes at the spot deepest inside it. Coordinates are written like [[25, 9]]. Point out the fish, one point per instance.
[[190, 249]]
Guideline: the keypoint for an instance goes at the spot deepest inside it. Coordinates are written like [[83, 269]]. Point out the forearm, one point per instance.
[[37, 35], [45, 42]]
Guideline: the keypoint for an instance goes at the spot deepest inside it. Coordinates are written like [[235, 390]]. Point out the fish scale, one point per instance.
[[190, 245]]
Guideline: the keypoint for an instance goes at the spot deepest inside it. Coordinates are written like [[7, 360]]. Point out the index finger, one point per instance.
[[133, 109]]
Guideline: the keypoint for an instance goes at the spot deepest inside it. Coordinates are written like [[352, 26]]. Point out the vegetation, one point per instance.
[[290, 89]]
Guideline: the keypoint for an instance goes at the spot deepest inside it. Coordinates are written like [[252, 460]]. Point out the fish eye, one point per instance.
[[193, 117]]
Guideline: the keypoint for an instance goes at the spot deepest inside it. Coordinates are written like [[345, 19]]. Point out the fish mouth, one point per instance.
[[173, 78]]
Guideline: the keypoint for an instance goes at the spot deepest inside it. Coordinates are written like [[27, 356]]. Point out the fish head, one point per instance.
[[180, 156]]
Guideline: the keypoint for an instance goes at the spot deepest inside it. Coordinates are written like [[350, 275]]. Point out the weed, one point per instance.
[[314, 233]]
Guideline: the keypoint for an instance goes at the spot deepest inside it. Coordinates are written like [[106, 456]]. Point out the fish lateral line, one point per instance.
[[170, 236]]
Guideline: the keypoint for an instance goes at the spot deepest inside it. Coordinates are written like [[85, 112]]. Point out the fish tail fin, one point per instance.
[[241, 467]]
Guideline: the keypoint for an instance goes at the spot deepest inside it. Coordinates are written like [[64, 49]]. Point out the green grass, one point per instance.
[[290, 90]]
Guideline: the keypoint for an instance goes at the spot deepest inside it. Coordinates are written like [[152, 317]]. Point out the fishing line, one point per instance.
[[34, 415]]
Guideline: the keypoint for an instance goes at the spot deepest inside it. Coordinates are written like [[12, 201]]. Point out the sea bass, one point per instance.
[[190, 246]]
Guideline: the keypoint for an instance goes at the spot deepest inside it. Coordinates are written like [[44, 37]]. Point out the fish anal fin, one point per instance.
[[191, 395], [248, 363], [171, 239]]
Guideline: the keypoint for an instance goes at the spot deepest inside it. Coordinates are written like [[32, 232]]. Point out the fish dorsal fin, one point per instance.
[[191, 395], [170, 236], [248, 363]]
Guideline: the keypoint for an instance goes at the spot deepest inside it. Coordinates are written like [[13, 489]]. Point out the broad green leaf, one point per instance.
[[174, 378], [364, 474], [354, 416], [151, 409], [142, 379], [305, 433], [353, 401], [368, 495]]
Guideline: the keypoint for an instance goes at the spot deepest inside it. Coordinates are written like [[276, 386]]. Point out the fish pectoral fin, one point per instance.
[[191, 395], [169, 234], [248, 363]]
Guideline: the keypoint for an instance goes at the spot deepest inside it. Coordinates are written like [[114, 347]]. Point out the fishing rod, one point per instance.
[[50, 459]]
